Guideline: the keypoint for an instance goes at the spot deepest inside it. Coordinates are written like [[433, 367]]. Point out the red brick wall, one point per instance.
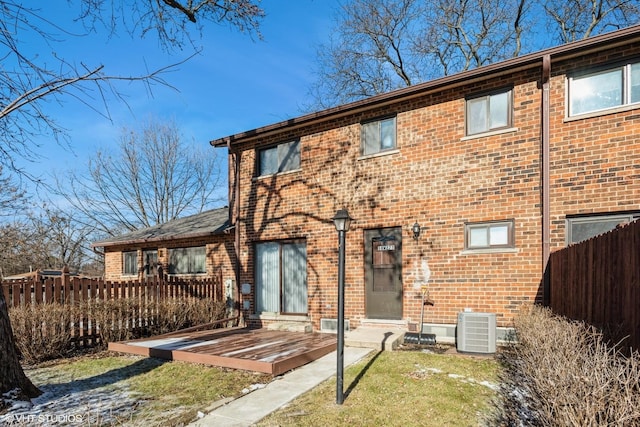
[[441, 180]]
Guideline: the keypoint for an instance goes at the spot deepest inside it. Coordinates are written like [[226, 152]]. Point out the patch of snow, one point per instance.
[[253, 387], [490, 385], [421, 371], [99, 400]]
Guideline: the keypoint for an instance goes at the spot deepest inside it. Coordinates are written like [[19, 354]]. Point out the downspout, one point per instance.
[[546, 211], [236, 228]]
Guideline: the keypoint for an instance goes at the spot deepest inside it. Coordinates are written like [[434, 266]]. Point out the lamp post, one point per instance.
[[342, 221]]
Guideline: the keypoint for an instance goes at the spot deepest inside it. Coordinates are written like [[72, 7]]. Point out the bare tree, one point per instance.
[[28, 81], [171, 21], [16, 248], [380, 45], [154, 177], [12, 377], [61, 241], [572, 20], [369, 52], [48, 240], [12, 196], [464, 34]]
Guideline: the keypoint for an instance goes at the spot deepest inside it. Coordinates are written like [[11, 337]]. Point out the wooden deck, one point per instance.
[[260, 350]]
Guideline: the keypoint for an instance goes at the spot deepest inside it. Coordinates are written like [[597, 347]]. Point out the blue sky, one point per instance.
[[235, 84]]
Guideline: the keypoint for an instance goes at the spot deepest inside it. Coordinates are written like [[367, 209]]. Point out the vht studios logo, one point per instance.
[[30, 419]]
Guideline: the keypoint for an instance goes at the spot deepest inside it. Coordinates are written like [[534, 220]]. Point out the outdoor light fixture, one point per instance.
[[342, 221], [416, 230]]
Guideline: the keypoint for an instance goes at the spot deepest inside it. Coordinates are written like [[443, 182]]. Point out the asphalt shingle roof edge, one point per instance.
[[207, 223]]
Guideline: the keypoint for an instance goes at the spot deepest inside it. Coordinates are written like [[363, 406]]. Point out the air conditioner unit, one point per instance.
[[476, 332]]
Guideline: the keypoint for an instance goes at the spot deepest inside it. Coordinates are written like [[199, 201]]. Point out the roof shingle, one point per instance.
[[206, 223]]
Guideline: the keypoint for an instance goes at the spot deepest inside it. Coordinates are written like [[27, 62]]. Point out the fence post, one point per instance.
[[65, 284]]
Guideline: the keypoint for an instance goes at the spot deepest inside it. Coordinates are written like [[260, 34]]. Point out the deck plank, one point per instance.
[[259, 350]]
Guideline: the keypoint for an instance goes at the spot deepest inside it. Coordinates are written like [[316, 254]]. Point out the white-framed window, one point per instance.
[[489, 235], [604, 89], [585, 227], [188, 260], [379, 135], [488, 112], [279, 158], [281, 277], [130, 263]]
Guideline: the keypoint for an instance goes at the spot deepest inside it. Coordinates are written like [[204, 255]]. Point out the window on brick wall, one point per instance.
[[586, 227], [489, 235], [379, 135], [604, 89], [281, 277], [488, 112], [279, 158], [130, 263], [187, 260]]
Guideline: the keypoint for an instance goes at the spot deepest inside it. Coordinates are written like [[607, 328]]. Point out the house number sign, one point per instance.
[[386, 248]]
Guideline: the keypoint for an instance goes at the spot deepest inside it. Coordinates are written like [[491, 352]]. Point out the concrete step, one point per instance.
[[382, 339]]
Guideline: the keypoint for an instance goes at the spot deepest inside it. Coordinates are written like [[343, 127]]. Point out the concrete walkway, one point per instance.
[[252, 407]]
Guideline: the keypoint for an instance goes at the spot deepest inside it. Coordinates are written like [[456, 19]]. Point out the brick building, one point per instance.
[[195, 246], [459, 187]]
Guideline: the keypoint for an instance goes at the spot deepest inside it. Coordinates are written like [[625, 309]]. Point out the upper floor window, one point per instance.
[[604, 89], [489, 112], [187, 260], [378, 136], [279, 158], [489, 235], [130, 263], [584, 228]]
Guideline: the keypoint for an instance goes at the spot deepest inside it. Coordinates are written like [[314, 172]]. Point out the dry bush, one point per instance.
[[114, 318], [563, 373], [43, 331], [175, 314], [127, 318]]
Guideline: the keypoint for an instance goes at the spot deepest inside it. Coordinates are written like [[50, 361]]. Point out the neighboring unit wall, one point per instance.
[[441, 179], [219, 255], [595, 158]]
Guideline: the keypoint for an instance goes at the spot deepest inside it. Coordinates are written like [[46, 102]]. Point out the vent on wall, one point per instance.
[[331, 325], [476, 332]]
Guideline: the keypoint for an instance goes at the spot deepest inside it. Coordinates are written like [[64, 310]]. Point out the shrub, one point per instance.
[[563, 373], [46, 331], [172, 315], [114, 319], [43, 331]]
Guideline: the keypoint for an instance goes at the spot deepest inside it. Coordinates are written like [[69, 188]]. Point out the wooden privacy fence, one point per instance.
[[598, 281], [134, 305], [66, 289]]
